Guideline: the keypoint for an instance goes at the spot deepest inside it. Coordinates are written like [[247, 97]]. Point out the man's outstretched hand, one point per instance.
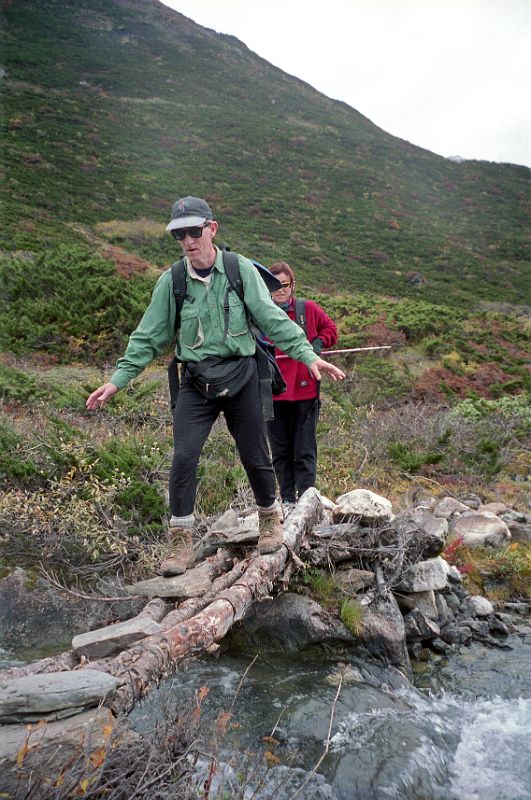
[[99, 397], [320, 366]]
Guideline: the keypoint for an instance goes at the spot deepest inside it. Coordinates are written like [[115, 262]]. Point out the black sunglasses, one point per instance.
[[196, 232], [283, 286]]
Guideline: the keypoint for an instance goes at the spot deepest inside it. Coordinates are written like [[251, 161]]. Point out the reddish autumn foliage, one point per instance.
[[127, 265], [437, 383]]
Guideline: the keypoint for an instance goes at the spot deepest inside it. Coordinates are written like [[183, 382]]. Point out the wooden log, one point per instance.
[[143, 666], [156, 609], [63, 661], [233, 539], [188, 608], [194, 583]]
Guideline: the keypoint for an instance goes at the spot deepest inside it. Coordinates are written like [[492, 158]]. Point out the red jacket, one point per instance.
[[301, 385]]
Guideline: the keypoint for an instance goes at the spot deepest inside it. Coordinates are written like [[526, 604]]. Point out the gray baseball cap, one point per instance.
[[188, 212]]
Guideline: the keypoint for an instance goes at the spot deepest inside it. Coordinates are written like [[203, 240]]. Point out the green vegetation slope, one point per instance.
[[113, 108]]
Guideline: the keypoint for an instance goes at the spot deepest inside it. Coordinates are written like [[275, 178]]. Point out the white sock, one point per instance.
[[187, 522], [270, 509]]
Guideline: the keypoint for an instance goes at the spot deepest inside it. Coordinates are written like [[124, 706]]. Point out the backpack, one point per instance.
[[270, 377]]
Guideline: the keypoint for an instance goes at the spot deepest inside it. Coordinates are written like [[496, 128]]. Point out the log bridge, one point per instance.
[[57, 709]]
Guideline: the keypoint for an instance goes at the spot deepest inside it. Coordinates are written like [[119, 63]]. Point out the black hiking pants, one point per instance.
[[293, 439], [193, 419]]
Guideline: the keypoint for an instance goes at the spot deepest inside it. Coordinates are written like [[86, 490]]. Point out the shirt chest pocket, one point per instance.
[[191, 333], [237, 317]]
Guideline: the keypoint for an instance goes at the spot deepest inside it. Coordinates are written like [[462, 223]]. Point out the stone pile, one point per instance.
[[413, 601]]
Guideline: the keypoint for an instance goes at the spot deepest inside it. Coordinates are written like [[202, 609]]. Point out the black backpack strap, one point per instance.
[[300, 313], [178, 276], [232, 271]]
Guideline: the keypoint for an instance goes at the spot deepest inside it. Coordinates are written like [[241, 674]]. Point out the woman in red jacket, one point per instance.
[[293, 431]]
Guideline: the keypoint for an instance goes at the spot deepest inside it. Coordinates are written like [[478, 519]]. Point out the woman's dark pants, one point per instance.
[[293, 439]]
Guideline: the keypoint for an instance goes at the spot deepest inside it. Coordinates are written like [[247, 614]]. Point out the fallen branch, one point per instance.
[[145, 664]]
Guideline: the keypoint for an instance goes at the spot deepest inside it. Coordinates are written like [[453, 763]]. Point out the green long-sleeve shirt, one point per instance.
[[203, 322]]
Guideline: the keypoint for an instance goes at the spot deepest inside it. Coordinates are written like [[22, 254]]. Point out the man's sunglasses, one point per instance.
[[196, 232]]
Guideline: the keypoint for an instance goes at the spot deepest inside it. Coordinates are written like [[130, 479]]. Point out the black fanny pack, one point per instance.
[[217, 378]]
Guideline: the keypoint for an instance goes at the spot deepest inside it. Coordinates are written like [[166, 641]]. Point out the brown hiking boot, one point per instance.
[[270, 531], [182, 555]]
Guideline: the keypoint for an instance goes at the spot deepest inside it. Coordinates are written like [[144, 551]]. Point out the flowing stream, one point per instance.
[[462, 732]]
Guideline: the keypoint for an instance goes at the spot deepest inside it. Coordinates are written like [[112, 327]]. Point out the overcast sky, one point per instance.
[[452, 76]]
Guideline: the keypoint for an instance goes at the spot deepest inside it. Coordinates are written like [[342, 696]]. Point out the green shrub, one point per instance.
[[19, 387], [69, 302], [140, 497], [410, 460], [16, 463]]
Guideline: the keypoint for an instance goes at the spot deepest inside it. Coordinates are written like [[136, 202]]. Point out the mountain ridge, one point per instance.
[[119, 107]]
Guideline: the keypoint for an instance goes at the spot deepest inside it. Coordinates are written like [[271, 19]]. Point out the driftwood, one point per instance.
[[393, 544], [143, 666]]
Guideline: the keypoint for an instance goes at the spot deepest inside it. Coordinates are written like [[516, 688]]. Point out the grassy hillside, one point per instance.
[[113, 108]]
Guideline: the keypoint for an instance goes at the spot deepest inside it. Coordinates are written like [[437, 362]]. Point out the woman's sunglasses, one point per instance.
[[196, 232], [283, 286]]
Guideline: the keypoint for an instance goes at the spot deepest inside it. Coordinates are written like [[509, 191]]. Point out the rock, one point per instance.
[[228, 521], [405, 601], [477, 606], [449, 506], [419, 628], [368, 506], [518, 608], [480, 530], [355, 580], [383, 633], [289, 623], [53, 695], [425, 603], [34, 615], [507, 620], [511, 515], [38, 757], [497, 627], [425, 576], [452, 601], [444, 614], [440, 646], [476, 626], [114, 638], [471, 500], [494, 508], [520, 532], [454, 576], [455, 634], [435, 528]]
